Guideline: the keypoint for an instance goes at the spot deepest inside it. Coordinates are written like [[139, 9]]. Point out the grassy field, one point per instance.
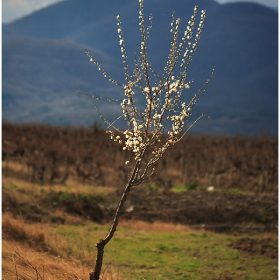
[[160, 254], [64, 248]]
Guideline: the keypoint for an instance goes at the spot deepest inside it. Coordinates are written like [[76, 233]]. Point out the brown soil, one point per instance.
[[267, 246], [216, 211]]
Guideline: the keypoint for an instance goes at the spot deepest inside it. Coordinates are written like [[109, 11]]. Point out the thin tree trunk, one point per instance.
[[99, 260], [95, 274]]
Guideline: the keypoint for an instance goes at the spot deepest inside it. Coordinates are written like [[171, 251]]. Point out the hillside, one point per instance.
[[43, 57]]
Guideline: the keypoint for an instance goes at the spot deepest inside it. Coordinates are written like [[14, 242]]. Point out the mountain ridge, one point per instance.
[[245, 82]]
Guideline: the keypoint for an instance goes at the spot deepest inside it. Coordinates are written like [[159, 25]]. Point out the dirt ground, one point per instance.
[[214, 211]]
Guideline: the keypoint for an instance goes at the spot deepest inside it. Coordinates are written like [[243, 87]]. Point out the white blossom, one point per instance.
[[162, 94]]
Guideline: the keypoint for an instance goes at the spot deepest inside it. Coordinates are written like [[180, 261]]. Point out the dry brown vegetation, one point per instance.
[[52, 155], [27, 253]]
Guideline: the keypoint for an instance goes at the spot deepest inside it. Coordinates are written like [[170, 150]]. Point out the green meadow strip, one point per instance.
[[160, 255]]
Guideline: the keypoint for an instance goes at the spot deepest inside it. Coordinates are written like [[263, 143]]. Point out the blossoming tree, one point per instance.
[[162, 122]]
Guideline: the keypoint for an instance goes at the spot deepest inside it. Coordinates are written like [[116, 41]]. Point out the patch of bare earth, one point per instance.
[[267, 246], [215, 211]]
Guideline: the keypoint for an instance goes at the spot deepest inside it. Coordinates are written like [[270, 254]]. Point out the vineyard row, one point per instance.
[[51, 155]]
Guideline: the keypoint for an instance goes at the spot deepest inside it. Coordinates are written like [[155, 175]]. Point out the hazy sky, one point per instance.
[[14, 9]]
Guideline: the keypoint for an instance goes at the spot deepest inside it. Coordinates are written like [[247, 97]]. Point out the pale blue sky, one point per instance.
[[14, 9]]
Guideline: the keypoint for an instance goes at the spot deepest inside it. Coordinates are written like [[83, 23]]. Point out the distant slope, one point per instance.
[[43, 56], [46, 70]]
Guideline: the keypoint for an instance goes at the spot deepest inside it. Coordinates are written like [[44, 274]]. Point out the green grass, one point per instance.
[[150, 187], [235, 191], [188, 187], [159, 255]]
